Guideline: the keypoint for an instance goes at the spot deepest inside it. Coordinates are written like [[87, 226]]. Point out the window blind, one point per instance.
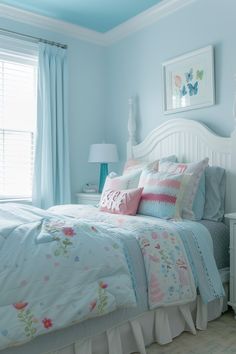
[[18, 75]]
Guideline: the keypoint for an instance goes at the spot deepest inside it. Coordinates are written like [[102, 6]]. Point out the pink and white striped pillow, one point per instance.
[[161, 196], [196, 169]]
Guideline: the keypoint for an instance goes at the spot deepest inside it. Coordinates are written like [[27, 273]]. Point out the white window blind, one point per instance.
[[18, 75]]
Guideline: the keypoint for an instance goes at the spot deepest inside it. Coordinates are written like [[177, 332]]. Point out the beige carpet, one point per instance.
[[219, 338]]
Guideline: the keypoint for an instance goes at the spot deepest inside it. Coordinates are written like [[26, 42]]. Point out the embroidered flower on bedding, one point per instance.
[[47, 323], [27, 318], [52, 226], [155, 293], [60, 271], [102, 296], [100, 303], [168, 273], [68, 231], [60, 231], [62, 246], [92, 305]]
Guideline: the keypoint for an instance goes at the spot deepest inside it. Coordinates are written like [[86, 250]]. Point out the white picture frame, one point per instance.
[[188, 81]]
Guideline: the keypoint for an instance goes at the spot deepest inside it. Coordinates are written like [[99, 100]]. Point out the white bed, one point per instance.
[[190, 141]]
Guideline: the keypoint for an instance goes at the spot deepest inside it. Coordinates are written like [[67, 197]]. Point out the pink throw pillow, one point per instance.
[[121, 201]]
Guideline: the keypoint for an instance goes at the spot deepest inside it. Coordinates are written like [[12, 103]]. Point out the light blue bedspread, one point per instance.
[[69, 264], [82, 273], [199, 247], [195, 237]]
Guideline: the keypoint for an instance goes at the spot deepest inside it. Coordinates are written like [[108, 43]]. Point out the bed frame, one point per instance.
[[190, 141]]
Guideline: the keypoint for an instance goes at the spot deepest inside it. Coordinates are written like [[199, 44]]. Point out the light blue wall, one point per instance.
[[134, 68], [102, 79], [86, 99]]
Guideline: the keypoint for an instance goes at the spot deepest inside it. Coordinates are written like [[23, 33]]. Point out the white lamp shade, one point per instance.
[[103, 153]]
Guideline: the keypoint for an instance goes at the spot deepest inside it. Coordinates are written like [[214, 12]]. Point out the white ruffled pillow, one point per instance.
[[127, 181], [134, 165]]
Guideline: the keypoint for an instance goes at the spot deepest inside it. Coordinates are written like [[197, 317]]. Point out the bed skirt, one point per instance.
[[160, 326], [130, 335]]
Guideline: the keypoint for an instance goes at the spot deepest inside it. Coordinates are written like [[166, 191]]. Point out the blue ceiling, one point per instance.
[[98, 15]]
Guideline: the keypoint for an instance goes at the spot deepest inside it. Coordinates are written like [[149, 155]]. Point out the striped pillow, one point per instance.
[[196, 169], [162, 194]]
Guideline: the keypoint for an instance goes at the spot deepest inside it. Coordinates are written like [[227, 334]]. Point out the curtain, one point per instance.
[[51, 180]]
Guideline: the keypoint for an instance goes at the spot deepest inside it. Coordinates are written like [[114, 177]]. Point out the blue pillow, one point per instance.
[[199, 200], [215, 193]]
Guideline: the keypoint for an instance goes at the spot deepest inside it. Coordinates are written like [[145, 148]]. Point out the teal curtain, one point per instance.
[[51, 181]]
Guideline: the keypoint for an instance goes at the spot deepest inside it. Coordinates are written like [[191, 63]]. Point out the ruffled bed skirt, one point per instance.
[[160, 326]]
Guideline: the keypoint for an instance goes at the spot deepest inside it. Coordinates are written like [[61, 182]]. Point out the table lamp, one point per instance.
[[103, 154]]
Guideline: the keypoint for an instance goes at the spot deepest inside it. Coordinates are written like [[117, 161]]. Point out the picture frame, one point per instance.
[[188, 81]]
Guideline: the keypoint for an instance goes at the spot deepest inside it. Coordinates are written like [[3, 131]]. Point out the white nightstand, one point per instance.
[[88, 198], [232, 248]]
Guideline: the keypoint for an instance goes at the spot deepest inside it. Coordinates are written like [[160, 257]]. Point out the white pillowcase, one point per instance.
[[127, 181]]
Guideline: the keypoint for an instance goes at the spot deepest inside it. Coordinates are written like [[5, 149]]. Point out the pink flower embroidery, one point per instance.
[[165, 234], [20, 305], [103, 285], [47, 322], [93, 305], [68, 231], [154, 235]]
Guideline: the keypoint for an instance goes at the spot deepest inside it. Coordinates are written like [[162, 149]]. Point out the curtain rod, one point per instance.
[[33, 39]]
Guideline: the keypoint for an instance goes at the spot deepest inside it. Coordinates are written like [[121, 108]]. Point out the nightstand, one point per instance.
[[88, 198], [232, 248]]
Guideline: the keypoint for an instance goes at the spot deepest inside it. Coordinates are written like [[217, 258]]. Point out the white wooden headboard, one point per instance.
[[190, 141]]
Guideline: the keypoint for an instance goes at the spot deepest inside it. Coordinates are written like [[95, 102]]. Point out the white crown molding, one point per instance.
[[146, 18], [48, 23]]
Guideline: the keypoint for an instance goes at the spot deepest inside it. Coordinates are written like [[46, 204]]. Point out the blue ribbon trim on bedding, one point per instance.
[[198, 245]]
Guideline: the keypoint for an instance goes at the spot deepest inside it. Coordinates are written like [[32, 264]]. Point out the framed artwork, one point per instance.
[[189, 81]]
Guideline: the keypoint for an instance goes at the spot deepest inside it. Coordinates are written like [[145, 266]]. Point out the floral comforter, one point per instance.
[[173, 251], [70, 263], [55, 271]]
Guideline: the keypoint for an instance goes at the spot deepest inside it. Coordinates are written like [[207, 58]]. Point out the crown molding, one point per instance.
[[48, 23], [145, 19]]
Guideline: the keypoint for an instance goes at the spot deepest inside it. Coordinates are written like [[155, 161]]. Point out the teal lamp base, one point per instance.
[[103, 175]]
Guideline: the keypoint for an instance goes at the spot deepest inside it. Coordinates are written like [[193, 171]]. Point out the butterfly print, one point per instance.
[[193, 89]]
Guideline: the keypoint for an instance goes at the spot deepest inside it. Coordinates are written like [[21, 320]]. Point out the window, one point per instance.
[[18, 105]]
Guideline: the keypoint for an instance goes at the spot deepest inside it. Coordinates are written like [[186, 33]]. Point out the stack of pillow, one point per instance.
[[167, 189]]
